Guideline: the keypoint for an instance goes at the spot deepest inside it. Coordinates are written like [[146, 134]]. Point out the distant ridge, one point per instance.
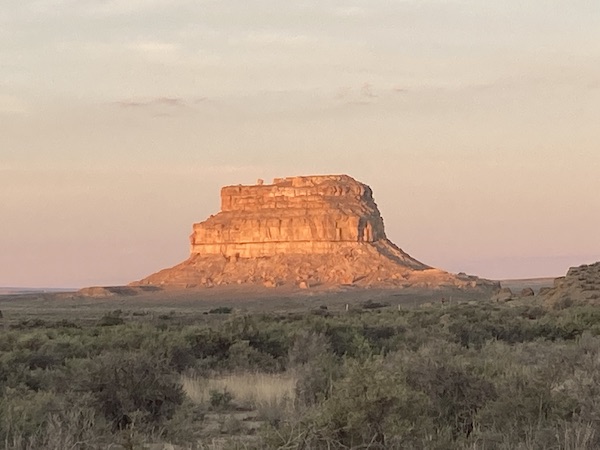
[[536, 284], [26, 290]]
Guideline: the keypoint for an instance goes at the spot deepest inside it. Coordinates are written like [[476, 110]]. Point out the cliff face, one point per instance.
[[301, 215], [316, 230]]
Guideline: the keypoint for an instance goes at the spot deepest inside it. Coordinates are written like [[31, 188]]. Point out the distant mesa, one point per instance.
[[112, 291], [304, 231]]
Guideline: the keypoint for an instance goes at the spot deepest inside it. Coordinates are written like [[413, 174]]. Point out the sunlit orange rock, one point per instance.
[[306, 231]]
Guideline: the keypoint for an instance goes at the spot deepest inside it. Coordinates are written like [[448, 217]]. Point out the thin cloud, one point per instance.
[[153, 46], [366, 90], [343, 93], [95, 8], [124, 7], [363, 95], [274, 39], [108, 169], [162, 107], [594, 85], [10, 104], [156, 51], [351, 11], [170, 102]]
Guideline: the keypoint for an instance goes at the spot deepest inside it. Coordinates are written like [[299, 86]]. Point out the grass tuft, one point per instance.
[[251, 390]]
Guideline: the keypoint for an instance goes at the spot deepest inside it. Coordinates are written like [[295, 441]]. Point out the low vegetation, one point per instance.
[[467, 376]]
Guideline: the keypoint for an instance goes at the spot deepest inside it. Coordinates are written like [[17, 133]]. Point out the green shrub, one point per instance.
[[220, 399], [315, 366], [111, 319], [455, 393], [346, 340], [33, 323], [316, 379], [180, 357], [244, 357], [371, 407], [371, 304], [221, 310], [210, 344], [466, 376], [125, 383], [274, 342]]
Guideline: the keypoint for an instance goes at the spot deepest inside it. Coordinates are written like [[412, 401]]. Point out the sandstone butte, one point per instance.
[[304, 231]]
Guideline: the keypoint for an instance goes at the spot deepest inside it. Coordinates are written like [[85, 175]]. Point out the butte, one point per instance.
[[302, 231]]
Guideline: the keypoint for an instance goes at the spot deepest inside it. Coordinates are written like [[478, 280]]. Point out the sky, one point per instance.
[[475, 122]]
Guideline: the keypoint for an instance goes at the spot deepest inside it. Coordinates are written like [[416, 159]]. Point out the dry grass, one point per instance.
[[256, 390]]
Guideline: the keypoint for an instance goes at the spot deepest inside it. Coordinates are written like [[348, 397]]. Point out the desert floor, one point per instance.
[[242, 299]]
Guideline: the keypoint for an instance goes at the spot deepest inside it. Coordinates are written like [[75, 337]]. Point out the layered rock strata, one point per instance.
[[300, 215], [301, 230]]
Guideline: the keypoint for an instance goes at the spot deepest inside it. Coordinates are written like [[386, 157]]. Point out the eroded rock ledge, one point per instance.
[[310, 230], [301, 215], [580, 285]]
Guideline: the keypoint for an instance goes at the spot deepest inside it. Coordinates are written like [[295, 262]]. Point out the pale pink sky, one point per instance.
[[475, 123]]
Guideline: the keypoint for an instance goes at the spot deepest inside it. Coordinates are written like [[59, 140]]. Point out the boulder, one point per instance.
[[503, 295], [527, 292]]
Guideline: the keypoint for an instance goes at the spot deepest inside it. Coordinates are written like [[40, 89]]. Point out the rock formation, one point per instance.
[[580, 285], [527, 292], [306, 231], [503, 295], [115, 291]]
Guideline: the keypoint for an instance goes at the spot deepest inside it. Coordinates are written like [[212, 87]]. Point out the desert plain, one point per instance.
[[295, 323]]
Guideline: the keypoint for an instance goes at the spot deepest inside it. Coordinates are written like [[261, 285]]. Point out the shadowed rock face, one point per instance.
[[300, 230], [580, 285]]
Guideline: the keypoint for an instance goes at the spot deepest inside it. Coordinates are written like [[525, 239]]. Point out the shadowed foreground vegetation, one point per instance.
[[466, 376]]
